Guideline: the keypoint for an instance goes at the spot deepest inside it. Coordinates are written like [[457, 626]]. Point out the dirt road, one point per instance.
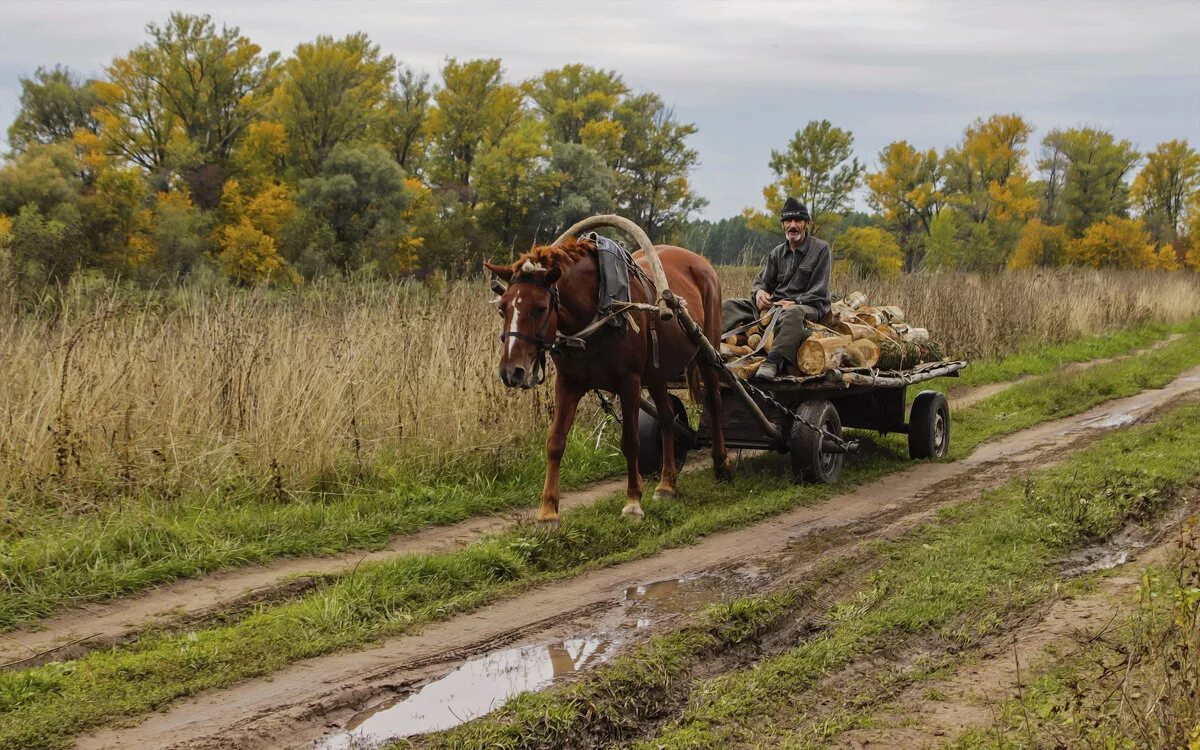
[[297, 705]]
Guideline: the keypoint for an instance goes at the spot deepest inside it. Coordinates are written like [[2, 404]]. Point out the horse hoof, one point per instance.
[[664, 493], [548, 521], [632, 511], [723, 470]]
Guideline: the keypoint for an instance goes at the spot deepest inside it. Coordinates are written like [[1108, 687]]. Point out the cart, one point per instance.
[[804, 417]]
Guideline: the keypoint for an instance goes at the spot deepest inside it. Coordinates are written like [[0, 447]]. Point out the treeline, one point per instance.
[[1093, 201], [198, 155], [198, 152]]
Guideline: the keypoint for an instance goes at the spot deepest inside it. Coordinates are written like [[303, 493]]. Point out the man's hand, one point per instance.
[[762, 299]]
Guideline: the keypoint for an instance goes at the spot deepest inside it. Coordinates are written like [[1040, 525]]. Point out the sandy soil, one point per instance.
[[295, 706]]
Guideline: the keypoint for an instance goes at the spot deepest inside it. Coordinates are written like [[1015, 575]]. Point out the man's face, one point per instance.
[[794, 229]]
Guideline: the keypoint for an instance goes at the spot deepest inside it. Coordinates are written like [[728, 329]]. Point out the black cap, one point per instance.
[[794, 209]]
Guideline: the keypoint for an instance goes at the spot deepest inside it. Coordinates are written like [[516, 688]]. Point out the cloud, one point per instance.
[[748, 73]]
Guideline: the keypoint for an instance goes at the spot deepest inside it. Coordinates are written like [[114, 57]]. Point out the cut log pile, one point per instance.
[[855, 335]]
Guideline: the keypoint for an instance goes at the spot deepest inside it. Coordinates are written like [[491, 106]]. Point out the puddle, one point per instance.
[[484, 684], [1117, 549], [474, 689], [1111, 420]]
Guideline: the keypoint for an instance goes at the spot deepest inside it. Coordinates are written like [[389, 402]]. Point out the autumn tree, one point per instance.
[[907, 192], [653, 167], [1094, 183], [54, 104], [1040, 246], [1165, 187], [583, 186], [869, 251], [989, 191], [42, 175], [1115, 242], [1052, 163], [333, 92], [818, 168], [512, 178], [475, 109], [579, 103]]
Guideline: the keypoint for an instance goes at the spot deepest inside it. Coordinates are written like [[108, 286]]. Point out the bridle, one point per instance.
[[539, 341]]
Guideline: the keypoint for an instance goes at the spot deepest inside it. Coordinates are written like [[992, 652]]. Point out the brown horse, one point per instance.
[[553, 289]]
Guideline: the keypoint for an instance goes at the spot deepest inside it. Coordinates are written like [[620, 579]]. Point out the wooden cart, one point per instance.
[[805, 417]]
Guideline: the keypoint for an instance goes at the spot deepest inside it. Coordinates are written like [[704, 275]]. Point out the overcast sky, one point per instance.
[[748, 74]]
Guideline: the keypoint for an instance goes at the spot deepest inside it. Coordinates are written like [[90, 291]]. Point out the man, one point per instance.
[[796, 281]]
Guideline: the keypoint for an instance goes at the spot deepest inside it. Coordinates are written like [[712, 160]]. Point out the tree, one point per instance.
[[1164, 189], [1094, 185], [405, 118], [44, 175], [333, 92], [870, 251], [45, 248], [475, 109], [817, 167], [584, 186], [54, 104], [249, 257], [1053, 165], [653, 167], [907, 191], [988, 187], [1115, 242], [1040, 246], [361, 194], [178, 231], [182, 100], [574, 97], [512, 179]]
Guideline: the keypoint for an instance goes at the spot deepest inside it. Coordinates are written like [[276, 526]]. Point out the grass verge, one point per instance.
[[53, 559], [49, 704]]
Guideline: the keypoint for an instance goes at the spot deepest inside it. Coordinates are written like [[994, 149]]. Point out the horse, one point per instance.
[[552, 291]]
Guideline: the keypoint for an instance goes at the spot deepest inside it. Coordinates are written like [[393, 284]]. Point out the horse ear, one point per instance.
[[503, 272], [552, 275]]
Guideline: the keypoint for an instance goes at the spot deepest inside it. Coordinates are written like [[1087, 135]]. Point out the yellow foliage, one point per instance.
[[249, 256], [1193, 258], [1039, 245], [870, 251], [262, 152], [271, 210], [1167, 259], [5, 230], [1114, 243], [140, 246], [232, 207]]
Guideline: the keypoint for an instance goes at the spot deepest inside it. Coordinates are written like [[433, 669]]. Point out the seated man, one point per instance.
[[795, 280]]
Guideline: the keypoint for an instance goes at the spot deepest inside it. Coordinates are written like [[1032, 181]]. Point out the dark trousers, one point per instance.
[[790, 331]]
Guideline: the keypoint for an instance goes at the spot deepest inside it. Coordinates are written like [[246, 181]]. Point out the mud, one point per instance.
[[485, 683], [932, 713], [295, 706]]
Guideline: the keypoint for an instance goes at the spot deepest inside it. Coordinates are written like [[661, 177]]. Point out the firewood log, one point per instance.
[[754, 340], [871, 317], [862, 353], [853, 300], [746, 371], [892, 313], [819, 353], [904, 355], [734, 350], [857, 331]]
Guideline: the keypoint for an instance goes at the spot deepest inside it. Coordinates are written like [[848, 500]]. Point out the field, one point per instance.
[[249, 487]]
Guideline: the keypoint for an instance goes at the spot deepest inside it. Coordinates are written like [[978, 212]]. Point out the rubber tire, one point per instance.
[[809, 462], [929, 426], [650, 441]]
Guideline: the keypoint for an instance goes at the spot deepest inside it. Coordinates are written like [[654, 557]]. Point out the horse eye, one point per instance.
[[539, 310]]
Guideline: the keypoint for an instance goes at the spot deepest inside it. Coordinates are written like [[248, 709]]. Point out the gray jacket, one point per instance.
[[801, 275]]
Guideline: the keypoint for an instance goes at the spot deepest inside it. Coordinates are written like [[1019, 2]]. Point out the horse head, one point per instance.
[[529, 307]]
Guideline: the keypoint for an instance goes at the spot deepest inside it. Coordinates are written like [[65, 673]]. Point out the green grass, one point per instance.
[[955, 581], [53, 559], [391, 597]]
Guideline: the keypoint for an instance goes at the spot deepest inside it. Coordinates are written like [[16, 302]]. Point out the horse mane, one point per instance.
[[549, 257]]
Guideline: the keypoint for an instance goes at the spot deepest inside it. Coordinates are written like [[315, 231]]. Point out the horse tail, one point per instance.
[[695, 383]]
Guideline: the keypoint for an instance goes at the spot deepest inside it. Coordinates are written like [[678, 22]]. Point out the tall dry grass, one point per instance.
[[108, 392]]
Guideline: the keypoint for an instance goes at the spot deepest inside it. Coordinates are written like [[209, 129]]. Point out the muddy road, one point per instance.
[[559, 628]]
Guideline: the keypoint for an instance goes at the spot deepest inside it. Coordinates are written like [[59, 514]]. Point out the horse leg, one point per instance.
[[666, 417], [722, 464], [631, 403], [566, 401]]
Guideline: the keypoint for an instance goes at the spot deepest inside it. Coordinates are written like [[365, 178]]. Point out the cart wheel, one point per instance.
[[650, 440], [929, 426], [810, 462]]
